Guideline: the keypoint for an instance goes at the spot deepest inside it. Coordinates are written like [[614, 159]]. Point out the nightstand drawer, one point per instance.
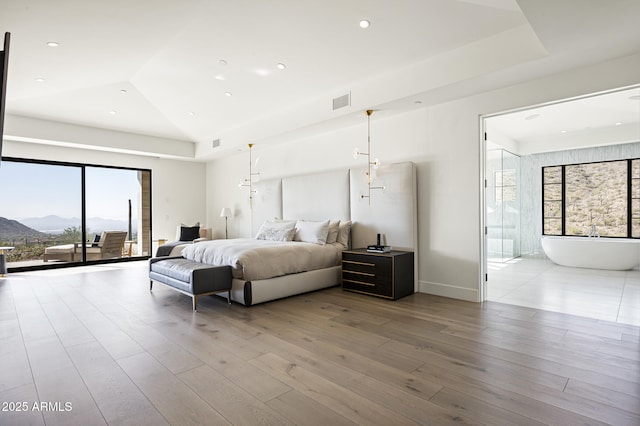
[[366, 284], [373, 265]]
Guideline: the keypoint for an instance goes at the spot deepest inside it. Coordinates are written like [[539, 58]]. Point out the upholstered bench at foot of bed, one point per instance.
[[191, 278]]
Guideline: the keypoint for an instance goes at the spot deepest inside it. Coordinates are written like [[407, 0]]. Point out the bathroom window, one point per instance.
[[552, 200], [635, 198], [580, 199], [596, 195]]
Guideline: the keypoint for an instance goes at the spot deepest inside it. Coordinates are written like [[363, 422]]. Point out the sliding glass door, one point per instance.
[[41, 209], [59, 213], [116, 200]]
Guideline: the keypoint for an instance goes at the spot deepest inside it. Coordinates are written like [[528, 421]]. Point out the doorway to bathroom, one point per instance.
[[517, 145]]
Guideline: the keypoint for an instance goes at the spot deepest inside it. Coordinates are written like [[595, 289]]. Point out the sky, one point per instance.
[[37, 190]]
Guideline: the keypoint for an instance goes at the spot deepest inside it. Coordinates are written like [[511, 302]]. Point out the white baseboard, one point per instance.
[[446, 290]]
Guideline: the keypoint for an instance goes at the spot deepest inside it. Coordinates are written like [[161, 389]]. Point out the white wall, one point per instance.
[[444, 142], [178, 187]]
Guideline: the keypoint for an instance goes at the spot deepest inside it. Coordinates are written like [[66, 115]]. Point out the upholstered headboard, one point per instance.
[[334, 195]]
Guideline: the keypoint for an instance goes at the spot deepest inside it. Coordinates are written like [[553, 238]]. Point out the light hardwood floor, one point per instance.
[[97, 339]]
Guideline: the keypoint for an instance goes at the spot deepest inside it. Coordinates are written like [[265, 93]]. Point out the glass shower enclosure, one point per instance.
[[503, 199]]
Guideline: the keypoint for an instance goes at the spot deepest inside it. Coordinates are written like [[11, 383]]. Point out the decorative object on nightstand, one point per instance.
[[378, 247], [226, 212], [389, 275]]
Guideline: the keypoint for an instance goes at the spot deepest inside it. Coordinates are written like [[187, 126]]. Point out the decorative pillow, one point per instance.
[[344, 234], [189, 233], [312, 232], [196, 224], [332, 236], [276, 231]]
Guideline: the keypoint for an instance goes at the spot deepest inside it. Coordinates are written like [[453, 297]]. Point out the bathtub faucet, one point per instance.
[[594, 232]]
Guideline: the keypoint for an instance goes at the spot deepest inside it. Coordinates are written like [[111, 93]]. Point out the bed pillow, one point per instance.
[[312, 231], [332, 236], [189, 233], [276, 230], [344, 234]]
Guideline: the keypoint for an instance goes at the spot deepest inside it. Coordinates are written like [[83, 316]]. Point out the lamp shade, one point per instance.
[[225, 212]]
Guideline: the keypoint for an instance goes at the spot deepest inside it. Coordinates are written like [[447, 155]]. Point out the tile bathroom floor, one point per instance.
[[539, 283]]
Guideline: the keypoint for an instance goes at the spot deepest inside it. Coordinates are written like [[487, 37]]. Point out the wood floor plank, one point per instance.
[[15, 370], [480, 411], [623, 401], [594, 368], [390, 374], [177, 403], [534, 394], [235, 404], [368, 344], [118, 398], [338, 399], [207, 349], [506, 399], [304, 411]]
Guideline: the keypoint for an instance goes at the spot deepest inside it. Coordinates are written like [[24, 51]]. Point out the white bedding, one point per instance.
[[252, 259]]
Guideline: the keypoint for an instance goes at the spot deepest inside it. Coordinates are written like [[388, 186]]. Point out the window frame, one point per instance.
[[629, 197], [83, 167]]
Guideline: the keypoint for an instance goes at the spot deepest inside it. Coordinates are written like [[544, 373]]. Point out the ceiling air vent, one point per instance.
[[215, 143], [341, 101]]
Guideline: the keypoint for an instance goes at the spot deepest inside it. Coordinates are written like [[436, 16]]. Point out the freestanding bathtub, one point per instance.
[[594, 253]]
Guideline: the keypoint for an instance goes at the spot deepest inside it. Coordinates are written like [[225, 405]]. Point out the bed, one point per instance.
[[274, 266], [307, 252]]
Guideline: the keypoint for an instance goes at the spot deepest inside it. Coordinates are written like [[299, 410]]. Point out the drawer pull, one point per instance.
[[359, 263], [359, 273], [360, 282]]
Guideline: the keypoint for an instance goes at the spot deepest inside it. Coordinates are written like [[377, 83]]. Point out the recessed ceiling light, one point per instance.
[[40, 80], [618, 123], [222, 62], [219, 77], [364, 23], [53, 44], [563, 131], [112, 112], [191, 113], [281, 66], [417, 102], [532, 117], [635, 97], [229, 94], [123, 91]]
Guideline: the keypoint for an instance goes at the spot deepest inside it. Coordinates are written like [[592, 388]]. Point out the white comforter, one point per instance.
[[252, 259]]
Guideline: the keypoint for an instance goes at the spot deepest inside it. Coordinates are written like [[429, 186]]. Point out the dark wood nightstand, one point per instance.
[[389, 275]]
